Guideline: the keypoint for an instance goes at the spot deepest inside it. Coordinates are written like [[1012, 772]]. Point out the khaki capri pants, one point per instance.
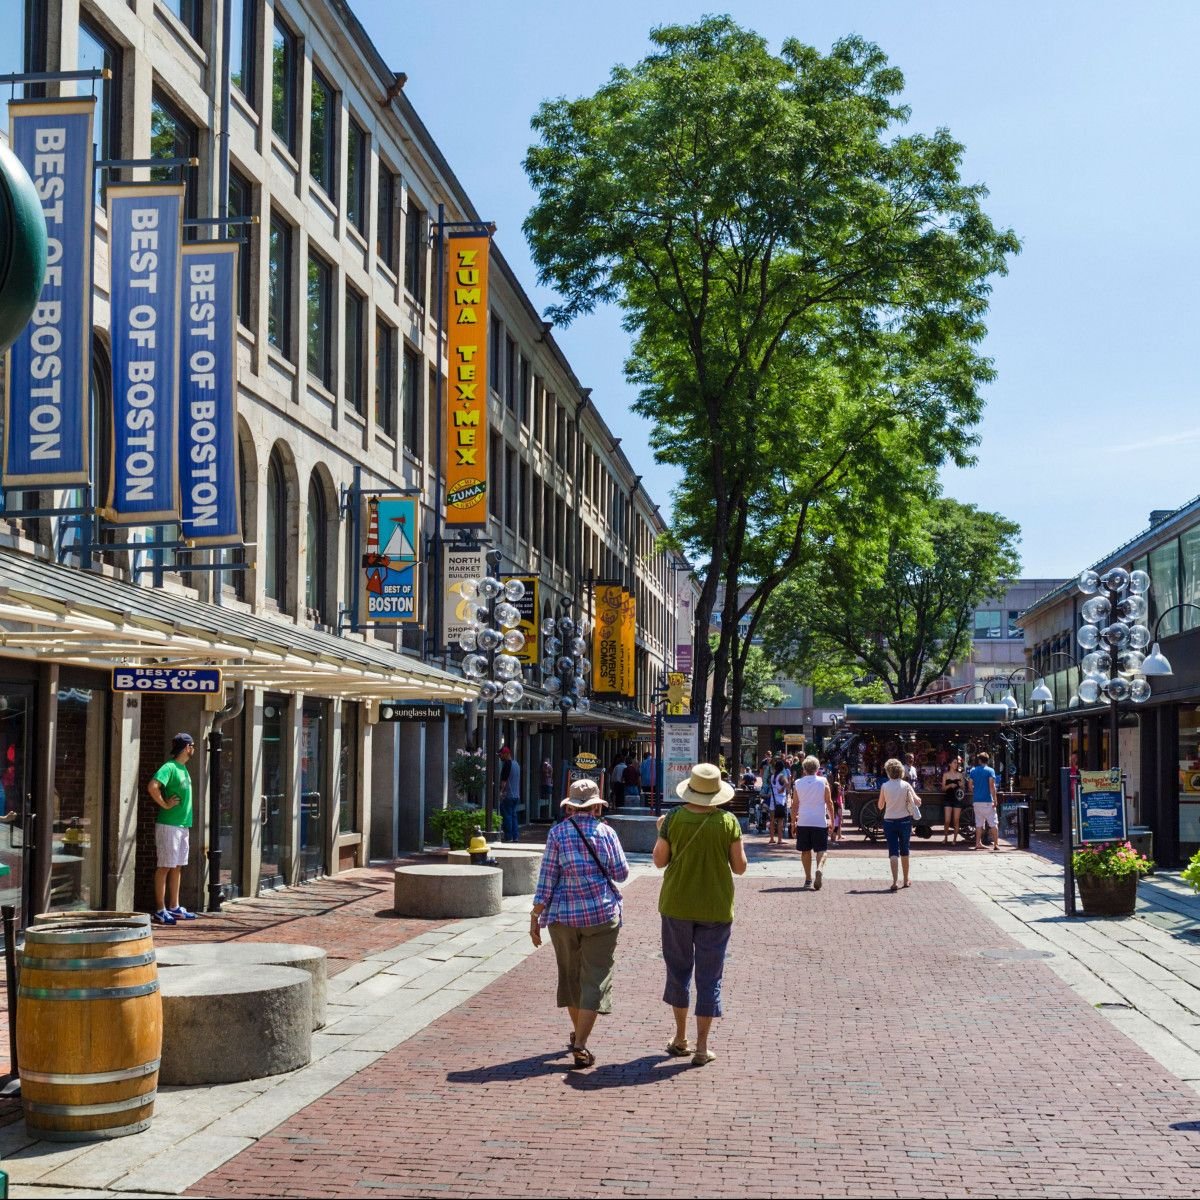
[[585, 964]]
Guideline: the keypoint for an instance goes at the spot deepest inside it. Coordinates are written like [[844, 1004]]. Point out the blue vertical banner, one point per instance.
[[390, 560], [145, 234], [47, 434], [208, 469]]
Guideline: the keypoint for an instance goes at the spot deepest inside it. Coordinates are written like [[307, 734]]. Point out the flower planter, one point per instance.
[[1105, 896]]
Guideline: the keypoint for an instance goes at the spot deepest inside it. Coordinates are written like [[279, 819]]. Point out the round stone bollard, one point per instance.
[[254, 954], [225, 1024], [438, 892], [519, 867]]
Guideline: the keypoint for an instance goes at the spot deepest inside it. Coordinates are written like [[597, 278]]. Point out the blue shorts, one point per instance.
[[898, 832]]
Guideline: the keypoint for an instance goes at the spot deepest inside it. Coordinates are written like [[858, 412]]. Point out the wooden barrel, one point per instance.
[[89, 1026]]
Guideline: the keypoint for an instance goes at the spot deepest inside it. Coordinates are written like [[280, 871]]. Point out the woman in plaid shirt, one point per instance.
[[577, 901]]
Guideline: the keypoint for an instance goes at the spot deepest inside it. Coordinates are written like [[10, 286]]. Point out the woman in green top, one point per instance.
[[701, 848]]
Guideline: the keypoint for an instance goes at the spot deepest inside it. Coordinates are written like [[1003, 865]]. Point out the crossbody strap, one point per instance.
[[595, 856], [676, 853]]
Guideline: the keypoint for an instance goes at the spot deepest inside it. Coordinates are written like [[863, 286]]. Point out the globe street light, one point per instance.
[[565, 669], [1114, 637], [492, 641]]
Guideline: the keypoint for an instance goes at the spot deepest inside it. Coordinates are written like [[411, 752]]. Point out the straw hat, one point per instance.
[[583, 793], [704, 787]]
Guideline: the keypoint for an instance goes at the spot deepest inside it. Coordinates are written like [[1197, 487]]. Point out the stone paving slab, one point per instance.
[[851, 1064]]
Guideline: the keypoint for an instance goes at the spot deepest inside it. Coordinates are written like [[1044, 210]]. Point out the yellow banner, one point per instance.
[[613, 637], [530, 626], [467, 382]]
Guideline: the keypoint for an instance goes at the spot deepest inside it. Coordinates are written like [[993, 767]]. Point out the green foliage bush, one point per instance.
[[455, 825], [1112, 860]]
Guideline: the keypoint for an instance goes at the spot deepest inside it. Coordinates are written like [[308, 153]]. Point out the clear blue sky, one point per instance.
[[1081, 118]]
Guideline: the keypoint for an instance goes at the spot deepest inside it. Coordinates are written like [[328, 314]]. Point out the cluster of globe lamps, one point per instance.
[[1114, 636], [492, 640], [565, 665]]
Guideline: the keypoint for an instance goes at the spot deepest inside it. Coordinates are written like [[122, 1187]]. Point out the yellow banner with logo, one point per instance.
[[613, 639], [467, 382]]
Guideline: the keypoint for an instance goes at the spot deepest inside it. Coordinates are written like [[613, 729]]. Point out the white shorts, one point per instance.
[[172, 843], [985, 815]]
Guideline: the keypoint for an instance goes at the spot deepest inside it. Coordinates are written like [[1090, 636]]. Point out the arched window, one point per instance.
[[317, 571], [274, 561], [245, 494]]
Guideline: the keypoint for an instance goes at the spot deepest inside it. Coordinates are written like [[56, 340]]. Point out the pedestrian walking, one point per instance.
[[510, 794], [171, 791], [812, 818], [898, 802], [983, 796], [953, 798], [837, 791], [700, 847], [781, 782], [633, 780], [547, 781], [577, 901]]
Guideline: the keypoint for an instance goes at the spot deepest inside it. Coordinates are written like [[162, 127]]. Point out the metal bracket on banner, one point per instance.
[[350, 492], [89, 75]]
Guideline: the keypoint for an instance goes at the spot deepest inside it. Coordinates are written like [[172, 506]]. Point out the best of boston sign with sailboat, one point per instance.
[[390, 559]]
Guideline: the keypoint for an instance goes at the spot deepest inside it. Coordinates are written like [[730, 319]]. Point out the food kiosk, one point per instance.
[[934, 734]]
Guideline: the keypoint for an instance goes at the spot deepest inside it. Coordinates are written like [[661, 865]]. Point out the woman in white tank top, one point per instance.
[[812, 815]]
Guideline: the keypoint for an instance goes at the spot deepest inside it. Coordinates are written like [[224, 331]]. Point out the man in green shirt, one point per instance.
[[171, 791]]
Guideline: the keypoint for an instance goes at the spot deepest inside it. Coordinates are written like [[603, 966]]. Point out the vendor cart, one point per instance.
[[934, 734]]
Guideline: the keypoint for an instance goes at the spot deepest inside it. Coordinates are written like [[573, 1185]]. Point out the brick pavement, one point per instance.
[[851, 1064]]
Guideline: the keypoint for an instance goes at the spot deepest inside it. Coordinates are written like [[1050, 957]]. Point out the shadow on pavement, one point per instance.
[[651, 1068], [519, 1068]]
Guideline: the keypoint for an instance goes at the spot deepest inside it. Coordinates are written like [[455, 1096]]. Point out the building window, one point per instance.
[[1164, 576], [24, 49], [414, 251], [1014, 629], [275, 550], [172, 135], [411, 384], [547, 523], [285, 59], [385, 378], [523, 402], [433, 413], [510, 373], [385, 216], [279, 295], [241, 204], [190, 14], [1189, 546], [316, 575], [354, 352], [495, 350], [321, 129], [987, 625], [97, 53], [243, 17], [320, 320], [495, 467], [357, 163], [511, 482], [523, 503]]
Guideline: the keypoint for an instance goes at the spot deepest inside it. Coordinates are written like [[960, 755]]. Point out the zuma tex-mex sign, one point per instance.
[[467, 382]]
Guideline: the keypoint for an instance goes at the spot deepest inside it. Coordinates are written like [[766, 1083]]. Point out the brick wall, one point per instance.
[[153, 750]]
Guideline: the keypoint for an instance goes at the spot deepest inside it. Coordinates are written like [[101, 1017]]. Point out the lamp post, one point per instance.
[[492, 642], [565, 668], [1157, 663]]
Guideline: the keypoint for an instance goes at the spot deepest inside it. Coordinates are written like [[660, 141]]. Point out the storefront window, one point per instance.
[[274, 785], [348, 771], [1189, 778], [312, 779], [76, 875], [1164, 585]]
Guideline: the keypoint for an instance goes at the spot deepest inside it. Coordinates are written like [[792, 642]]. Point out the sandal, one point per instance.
[[893, 888], [678, 1049], [571, 1041], [702, 1058], [583, 1057]]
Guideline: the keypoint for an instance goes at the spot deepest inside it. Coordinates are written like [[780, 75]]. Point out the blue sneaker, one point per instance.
[[162, 917], [180, 914]]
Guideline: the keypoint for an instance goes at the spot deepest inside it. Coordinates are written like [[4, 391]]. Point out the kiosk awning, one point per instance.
[[81, 618], [926, 716]]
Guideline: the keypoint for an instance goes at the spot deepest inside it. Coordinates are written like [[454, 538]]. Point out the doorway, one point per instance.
[[313, 800], [16, 841]]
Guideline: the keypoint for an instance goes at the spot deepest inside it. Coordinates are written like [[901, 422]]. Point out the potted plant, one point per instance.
[[455, 825], [468, 773], [1107, 874]]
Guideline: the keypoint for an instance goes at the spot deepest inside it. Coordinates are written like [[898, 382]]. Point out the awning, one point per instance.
[[926, 716], [596, 716], [81, 618]]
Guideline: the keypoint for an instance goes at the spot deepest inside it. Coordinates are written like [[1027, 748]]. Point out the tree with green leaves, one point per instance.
[[899, 608], [804, 286]]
